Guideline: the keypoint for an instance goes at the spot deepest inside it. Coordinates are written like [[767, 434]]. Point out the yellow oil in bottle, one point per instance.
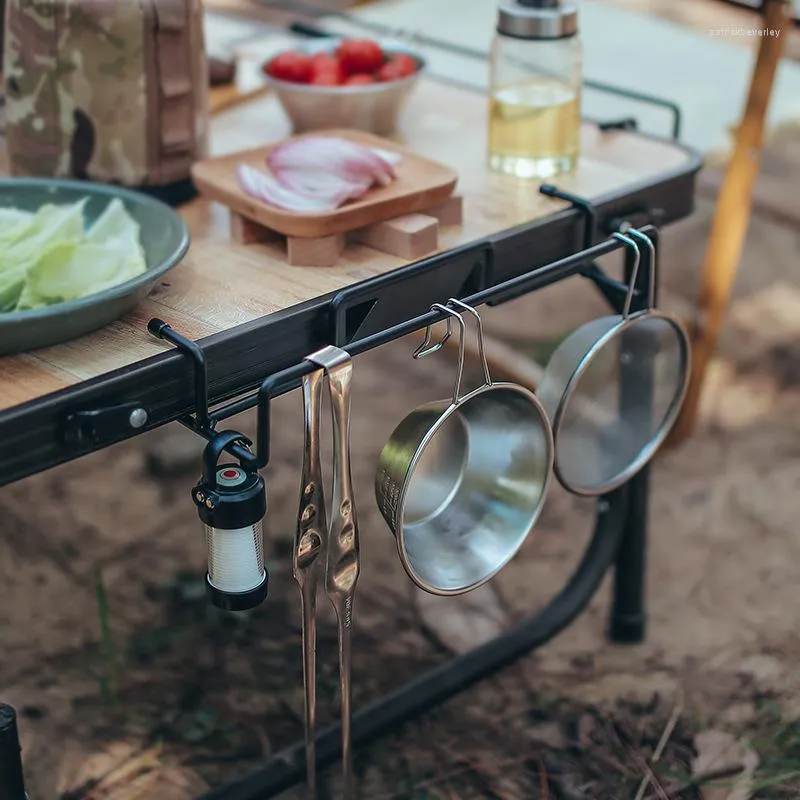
[[534, 129]]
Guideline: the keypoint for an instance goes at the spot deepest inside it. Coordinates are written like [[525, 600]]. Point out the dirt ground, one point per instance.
[[120, 668]]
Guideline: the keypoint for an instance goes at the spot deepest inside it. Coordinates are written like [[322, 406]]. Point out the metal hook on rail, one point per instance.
[[161, 330]]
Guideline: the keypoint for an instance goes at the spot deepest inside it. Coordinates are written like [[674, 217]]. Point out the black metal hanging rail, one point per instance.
[[379, 326]]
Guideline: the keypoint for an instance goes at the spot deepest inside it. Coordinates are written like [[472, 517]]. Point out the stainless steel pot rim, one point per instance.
[[418, 453], [647, 452]]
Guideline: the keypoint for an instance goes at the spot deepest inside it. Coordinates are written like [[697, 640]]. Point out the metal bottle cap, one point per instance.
[[537, 19]]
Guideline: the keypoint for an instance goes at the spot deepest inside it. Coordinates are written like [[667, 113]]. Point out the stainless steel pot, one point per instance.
[[461, 482], [613, 389]]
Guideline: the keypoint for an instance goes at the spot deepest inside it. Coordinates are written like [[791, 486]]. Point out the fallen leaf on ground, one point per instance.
[[716, 751]]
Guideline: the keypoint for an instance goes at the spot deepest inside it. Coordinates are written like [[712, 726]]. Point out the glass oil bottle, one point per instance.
[[535, 89]]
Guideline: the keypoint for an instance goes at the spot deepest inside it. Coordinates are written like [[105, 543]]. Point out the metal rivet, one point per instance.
[[138, 418], [209, 503], [200, 497]]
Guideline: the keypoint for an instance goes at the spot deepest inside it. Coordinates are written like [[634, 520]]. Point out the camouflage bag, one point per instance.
[[107, 90]]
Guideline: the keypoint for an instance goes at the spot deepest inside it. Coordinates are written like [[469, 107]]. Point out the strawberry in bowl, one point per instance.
[[344, 83]]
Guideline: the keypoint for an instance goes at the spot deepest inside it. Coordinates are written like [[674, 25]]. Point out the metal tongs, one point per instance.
[[336, 545]]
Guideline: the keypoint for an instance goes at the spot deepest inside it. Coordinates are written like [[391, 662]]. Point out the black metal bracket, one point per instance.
[[613, 291], [201, 422], [91, 427], [98, 425], [193, 351], [586, 207]]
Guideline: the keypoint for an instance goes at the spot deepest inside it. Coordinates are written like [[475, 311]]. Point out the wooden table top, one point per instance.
[[220, 285]]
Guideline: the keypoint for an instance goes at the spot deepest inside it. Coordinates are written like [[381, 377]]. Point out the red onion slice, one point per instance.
[[348, 160], [262, 186], [316, 184]]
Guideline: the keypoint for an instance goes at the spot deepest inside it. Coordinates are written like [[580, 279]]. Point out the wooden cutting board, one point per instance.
[[421, 183]]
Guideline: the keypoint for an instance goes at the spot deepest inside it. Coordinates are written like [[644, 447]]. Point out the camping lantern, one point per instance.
[[231, 501]]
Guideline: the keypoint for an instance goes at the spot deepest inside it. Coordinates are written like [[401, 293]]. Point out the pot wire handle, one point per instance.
[[426, 348], [461, 346], [481, 350], [626, 309], [651, 264]]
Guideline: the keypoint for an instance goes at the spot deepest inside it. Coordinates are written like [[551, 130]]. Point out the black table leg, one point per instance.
[[628, 613], [628, 616]]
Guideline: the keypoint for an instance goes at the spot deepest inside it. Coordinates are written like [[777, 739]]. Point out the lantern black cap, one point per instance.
[[236, 499], [238, 601], [231, 495]]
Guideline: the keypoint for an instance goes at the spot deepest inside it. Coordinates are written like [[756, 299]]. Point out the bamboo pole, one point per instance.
[[732, 215]]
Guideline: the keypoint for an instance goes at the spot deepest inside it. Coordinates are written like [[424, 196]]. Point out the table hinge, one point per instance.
[[102, 424]]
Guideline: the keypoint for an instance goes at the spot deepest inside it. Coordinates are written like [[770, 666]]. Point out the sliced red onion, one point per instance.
[[348, 160], [262, 186], [318, 173], [316, 184]]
